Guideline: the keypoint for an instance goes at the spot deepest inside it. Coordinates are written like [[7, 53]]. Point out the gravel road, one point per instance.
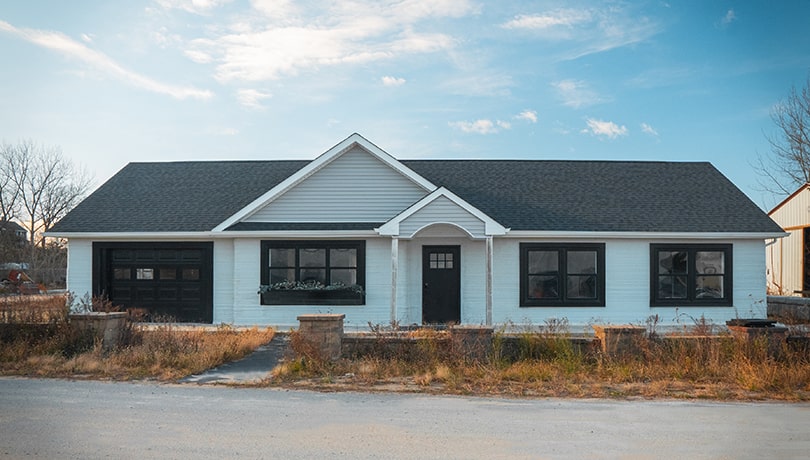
[[88, 419]]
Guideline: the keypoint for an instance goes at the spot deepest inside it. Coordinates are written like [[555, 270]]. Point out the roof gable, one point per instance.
[[442, 207], [793, 211], [354, 181]]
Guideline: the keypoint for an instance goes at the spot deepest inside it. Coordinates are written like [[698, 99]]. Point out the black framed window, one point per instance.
[[691, 274], [313, 272], [562, 274]]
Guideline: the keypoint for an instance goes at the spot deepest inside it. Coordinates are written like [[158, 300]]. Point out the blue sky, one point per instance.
[[166, 80]]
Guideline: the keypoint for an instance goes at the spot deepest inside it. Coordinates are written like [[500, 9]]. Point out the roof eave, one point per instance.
[[646, 235]]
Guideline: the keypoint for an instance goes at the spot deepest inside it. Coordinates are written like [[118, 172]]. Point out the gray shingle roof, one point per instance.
[[175, 197], [519, 194], [605, 196]]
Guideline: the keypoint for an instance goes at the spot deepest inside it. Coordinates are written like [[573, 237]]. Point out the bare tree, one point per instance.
[[788, 166], [9, 192], [48, 184]]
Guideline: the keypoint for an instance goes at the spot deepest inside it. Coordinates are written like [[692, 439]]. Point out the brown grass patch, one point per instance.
[[549, 365]]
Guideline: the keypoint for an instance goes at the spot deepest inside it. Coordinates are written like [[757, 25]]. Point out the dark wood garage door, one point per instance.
[[165, 281]]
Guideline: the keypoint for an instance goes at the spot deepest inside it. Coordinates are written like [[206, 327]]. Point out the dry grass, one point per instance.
[[533, 364], [163, 354], [31, 308], [37, 340], [549, 365]]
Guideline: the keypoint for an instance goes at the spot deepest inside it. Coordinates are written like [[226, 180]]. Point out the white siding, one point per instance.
[[442, 209], [356, 187], [249, 311], [473, 273], [80, 267], [627, 280], [246, 280], [237, 277], [223, 281]]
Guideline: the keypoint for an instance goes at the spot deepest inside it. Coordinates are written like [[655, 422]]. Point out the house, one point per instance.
[[382, 240], [11, 229], [788, 266]]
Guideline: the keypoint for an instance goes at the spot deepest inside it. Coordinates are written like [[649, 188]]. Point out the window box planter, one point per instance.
[[313, 297]]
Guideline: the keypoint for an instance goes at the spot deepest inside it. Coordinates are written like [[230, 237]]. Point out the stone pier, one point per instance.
[[324, 332]]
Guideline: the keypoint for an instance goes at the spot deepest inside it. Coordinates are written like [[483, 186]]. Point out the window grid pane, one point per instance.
[[557, 274], [692, 275], [544, 287], [440, 261]]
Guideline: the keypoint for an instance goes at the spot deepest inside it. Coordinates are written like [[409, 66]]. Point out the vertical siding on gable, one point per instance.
[[786, 257], [80, 267], [442, 210], [356, 187], [794, 213]]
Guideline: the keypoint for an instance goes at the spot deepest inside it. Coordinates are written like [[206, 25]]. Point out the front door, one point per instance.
[[441, 284]]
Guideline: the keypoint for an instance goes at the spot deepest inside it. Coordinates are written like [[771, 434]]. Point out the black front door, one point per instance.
[[441, 284]]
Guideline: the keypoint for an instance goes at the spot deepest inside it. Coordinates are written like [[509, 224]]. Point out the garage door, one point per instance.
[[164, 281]]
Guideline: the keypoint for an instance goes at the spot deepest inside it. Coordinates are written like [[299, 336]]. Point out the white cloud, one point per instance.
[[576, 94], [528, 115], [71, 48], [198, 56], [645, 128], [602, 128], [392, 81], [728, 18], [87, 38], [228, 132], [586, 31], [192, 6], [480, 85], [562, 17], [482, 126], [284, 38], [252, 98]]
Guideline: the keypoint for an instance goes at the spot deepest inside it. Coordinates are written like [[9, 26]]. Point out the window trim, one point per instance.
[[562, 249], [691, 275], [320, 297]]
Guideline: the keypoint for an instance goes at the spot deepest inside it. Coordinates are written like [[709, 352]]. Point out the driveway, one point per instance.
[[78, 419]]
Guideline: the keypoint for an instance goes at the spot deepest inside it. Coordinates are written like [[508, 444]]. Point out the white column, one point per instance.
[[490, 255], [394, 277]]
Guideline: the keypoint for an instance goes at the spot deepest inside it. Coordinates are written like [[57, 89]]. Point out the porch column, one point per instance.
[[490, 256], [394, 277]]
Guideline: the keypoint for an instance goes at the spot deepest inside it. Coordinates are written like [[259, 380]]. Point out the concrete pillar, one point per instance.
[[324, 332], [105, 326]]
